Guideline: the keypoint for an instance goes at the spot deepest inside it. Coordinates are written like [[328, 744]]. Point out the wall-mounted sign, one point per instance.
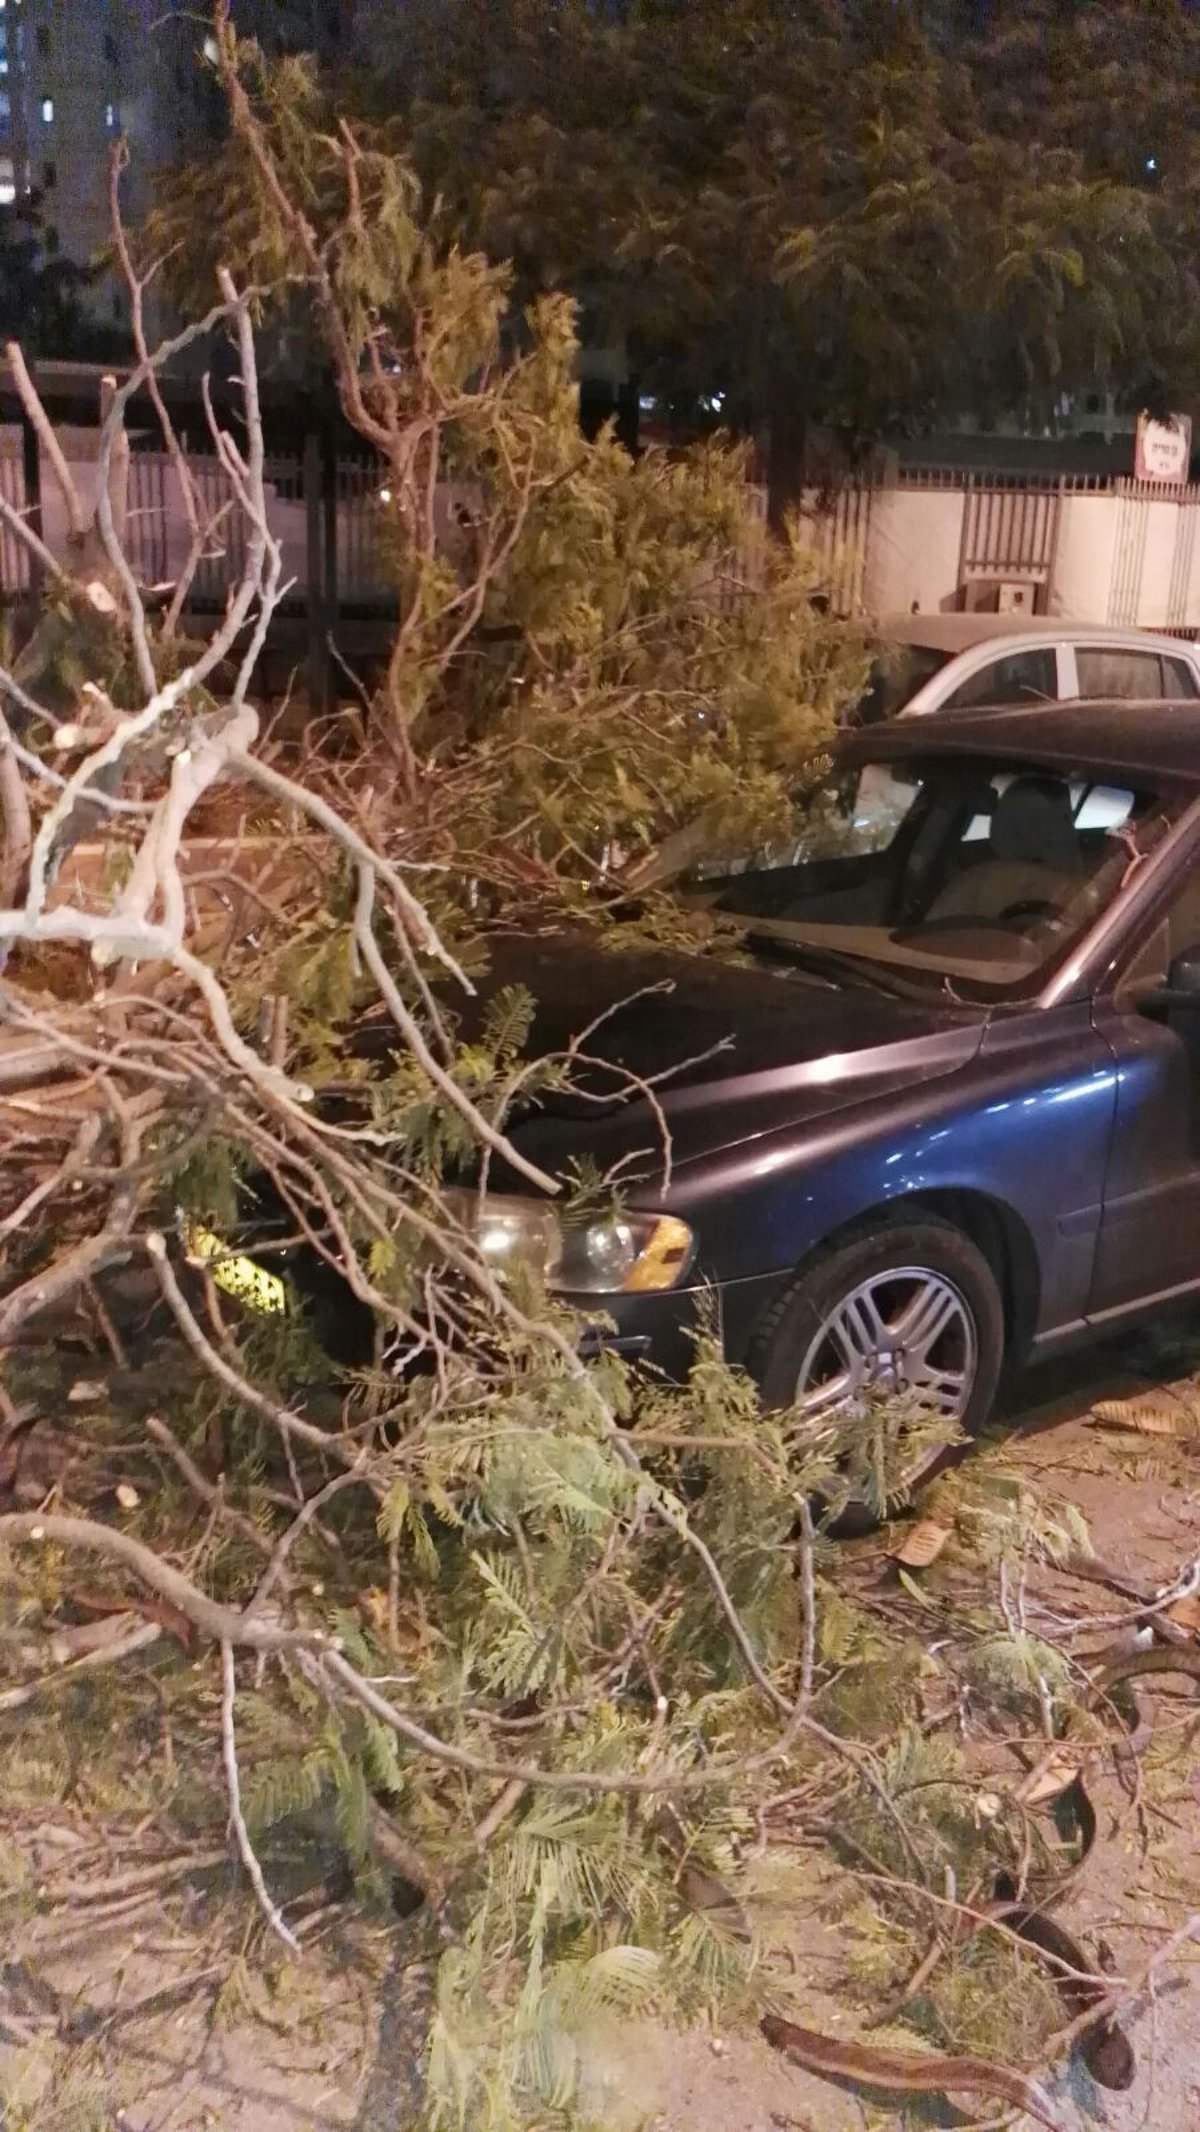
[[1163, 451]]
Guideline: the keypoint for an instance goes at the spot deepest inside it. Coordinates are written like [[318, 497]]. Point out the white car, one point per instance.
[[949, 662]]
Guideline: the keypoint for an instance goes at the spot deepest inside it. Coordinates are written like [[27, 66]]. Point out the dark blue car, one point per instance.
[[943, 1113]]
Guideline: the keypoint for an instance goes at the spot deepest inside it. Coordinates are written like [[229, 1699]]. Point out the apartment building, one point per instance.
[[76, 74]]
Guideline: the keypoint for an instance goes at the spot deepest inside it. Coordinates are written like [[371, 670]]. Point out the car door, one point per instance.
[[1149, 1242]]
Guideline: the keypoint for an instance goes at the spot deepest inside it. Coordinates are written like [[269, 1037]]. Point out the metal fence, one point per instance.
[[160, 533], [329, 517], [1008, 531], [836, 529], [14, 555]]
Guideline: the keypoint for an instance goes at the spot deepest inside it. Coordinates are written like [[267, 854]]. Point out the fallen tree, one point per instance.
[[518, 1509], [539, 1636]]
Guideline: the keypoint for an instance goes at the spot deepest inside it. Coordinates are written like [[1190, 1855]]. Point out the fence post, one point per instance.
[[318, 649], [329, 499], [31, 476], [1057, 506]]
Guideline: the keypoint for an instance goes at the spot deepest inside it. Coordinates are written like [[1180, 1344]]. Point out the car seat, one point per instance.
[[1033, 863]]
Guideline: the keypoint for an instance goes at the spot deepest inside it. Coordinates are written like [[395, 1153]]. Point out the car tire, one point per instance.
[[885, 1264]]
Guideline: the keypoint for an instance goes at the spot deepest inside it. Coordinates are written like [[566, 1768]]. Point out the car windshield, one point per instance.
[[952, 873], [897, 672]]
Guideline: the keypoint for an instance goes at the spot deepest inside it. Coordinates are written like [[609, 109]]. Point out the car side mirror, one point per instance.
[[1177, 990], [1183, 977]]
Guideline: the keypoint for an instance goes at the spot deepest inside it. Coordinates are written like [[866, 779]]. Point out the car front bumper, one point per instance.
[[659, 1329]]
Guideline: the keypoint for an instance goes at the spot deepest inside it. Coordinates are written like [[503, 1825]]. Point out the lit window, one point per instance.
[[110, 117], [47, 110], [8, 181], [211, 52]]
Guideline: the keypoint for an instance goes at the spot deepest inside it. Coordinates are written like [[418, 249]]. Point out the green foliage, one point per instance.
[[593, 652], [853, 216], [602, 660], [1022, 1674], [986, 1994], [207, 1185]]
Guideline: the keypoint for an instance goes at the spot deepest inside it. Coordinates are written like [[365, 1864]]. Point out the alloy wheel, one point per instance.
[[906, 1331]]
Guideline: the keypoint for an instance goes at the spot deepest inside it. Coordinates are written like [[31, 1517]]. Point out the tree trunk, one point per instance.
[[786, 436]]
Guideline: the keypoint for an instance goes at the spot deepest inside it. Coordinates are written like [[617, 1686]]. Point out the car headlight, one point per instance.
[[611, 1254]]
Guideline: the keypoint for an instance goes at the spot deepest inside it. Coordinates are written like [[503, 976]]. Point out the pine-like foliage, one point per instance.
[[592, 652]]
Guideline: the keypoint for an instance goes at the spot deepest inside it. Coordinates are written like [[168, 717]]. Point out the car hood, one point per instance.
[[731, 1050]]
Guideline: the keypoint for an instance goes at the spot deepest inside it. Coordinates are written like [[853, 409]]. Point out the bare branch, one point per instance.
[[21, 529], [15, 819], [405, 1022], [221, 1623], [160, 1434], [271, 1912], [289, 1425], [71, 1268], [136, 285], [39, 421], [137, 1638], [307, 1515]]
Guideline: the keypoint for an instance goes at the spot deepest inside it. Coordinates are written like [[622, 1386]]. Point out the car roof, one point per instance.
[[1156, 741], [954, 633]]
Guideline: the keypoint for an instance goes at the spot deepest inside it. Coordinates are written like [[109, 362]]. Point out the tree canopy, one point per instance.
[[859, 217], [42, 296], [817, 215]]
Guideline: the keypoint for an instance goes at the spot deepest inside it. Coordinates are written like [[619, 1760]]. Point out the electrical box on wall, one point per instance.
[[1000, 596]]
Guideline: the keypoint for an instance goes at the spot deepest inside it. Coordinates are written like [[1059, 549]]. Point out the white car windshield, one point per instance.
[[953, 868]]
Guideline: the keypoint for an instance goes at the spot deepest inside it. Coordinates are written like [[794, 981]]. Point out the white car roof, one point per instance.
[[953, 633]]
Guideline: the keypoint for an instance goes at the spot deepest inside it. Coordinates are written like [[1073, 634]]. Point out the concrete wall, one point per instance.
[[1119, 553], [913, 544], [1084, 558]]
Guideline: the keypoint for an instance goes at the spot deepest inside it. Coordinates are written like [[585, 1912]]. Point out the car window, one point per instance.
[[1137, 676], [943, 868], [1022, 677], [1179, 680], [897, 673], [1094, 807], [883, 799]]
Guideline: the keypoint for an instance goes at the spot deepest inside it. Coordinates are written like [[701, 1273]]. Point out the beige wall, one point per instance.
[[1123, 555], [913, 548], [1087, 541]]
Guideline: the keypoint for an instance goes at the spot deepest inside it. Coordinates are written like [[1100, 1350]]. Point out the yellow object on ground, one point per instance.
[[237, 1276]]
